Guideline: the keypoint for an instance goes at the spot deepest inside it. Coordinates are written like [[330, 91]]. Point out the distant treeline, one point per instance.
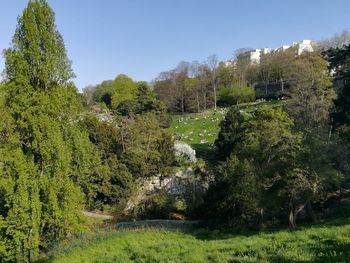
[[195, 87]]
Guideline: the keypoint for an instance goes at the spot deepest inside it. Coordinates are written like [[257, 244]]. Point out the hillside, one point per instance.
[[326, 242], [200, 130]]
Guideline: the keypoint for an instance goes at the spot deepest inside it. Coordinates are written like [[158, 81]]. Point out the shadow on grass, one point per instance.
[[217, 230], [205, 152], [331, 251], [323, 250]]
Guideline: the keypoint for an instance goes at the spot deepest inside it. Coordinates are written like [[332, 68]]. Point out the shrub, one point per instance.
[[160, 205], [229, 96]]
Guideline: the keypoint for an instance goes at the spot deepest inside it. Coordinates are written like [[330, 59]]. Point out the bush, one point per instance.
[[160, 205], [229, 96]]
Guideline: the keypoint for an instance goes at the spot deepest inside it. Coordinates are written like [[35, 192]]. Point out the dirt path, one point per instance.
[[97, 215]]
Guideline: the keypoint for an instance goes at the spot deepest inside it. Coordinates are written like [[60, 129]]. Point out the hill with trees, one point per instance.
[[246, 146]]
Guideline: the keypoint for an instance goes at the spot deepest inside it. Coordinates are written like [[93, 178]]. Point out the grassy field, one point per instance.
[[327, 242], [200, 130]]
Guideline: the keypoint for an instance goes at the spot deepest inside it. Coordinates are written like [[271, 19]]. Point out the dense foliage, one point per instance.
[[57, 159], [279, 163], [39, 138], [62, 153]]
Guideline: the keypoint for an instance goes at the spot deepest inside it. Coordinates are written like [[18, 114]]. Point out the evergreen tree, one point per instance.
[[340, 65], [231, 130], [39, 163]]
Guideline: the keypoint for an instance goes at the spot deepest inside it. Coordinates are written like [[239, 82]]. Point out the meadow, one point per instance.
[[200, 130]]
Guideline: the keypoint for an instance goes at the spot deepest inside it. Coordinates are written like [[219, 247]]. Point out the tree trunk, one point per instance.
[[262, 215], [293, 212], [310, 212], [197, 99], [214, 89], [282, 85], [330, 133], [182, 104], [291, 218]]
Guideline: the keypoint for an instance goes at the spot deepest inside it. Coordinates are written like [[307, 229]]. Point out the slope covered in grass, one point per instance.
[[310, 244], [200, 130]]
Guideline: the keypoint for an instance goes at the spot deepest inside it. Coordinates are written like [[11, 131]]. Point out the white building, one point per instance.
[[304, 46], [230, 63], [265, 51], [255, 56]]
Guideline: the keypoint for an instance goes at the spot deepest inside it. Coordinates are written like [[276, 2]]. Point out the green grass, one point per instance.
[[200, 130], [322, 243]]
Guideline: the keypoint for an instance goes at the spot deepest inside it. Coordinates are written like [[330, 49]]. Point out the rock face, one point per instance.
[[184, 184]]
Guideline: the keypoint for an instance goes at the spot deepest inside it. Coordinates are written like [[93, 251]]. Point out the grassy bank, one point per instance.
[[326, 242]]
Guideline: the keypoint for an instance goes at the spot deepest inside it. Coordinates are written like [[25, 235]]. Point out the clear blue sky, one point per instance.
[[141, 38]]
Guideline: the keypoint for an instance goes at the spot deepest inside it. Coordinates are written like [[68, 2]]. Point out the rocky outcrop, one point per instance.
[[187, 185]]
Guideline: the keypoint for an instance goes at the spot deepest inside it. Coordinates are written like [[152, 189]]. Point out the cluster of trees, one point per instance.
[[284, 161], [126, 97], [56, 156], [337, 41], [195, 87], [273, 76]]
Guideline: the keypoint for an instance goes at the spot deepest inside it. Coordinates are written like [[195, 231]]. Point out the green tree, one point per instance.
[[273, 147], [146, 101], [110, 181], [311, 94], [289, 168], [231, 132], [103, 93], [340, 64], [284, 170], [235, 193], [19, 194], [124, 92], [232, 95], [225, 76], [43, 110]]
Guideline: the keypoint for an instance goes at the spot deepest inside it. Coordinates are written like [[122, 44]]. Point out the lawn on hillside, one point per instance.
[[200, 130], [322, 243]]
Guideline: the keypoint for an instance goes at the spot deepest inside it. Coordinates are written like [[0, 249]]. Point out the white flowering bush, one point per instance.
[[184, 151]]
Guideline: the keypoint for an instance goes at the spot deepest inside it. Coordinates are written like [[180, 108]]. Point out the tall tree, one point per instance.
[[281, 65], [340, 67], [279, 171], [230, 135], [43, 110], [124, 91], [311, 94], [213, 64]]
